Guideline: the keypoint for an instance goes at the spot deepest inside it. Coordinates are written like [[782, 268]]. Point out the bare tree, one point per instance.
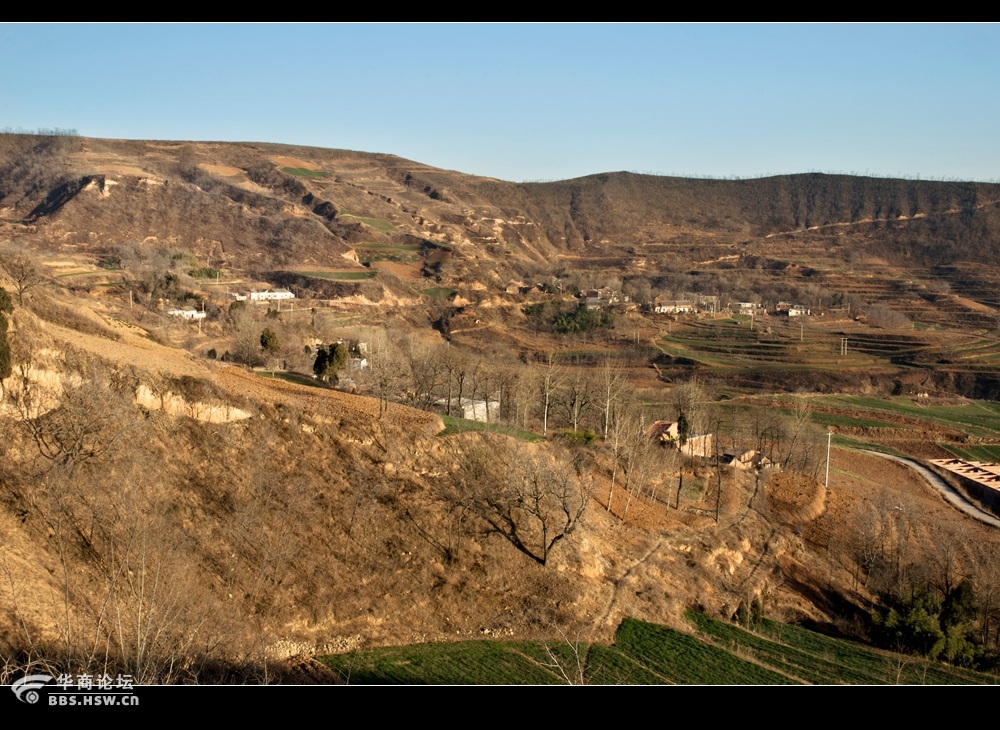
[[577, 395], [612, 383], [637, 460], [426, 370], [388, 368], [246, 335], [550, 379], [85, 423], [20, 267], [532, 499]]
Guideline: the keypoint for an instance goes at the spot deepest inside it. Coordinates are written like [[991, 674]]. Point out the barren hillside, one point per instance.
[[171, 506]]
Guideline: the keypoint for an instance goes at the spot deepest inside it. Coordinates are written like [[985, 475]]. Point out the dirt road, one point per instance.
[[944, 489]]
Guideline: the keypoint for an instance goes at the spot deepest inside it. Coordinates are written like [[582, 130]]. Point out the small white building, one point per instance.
[[270, 296], [474, 409], [673, 306], [189, 314]]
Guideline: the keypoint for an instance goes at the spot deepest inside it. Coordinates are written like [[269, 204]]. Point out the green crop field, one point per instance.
[[717, 653], [685, 659], [379, 224], [305, 172], [886, 667], [439, 292], [465, 662], [834, 419], [983, 452], [977, 418], [731, 343]]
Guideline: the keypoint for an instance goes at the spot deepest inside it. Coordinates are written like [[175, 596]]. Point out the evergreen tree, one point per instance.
[[330, 360], [269, 341]]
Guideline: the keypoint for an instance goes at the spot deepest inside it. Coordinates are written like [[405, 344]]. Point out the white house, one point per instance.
[[191, 314], [662, 305], [270, 296]]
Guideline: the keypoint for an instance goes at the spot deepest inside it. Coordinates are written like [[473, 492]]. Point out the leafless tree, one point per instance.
[[387, 367], [986, 576], [83, 423], [611, 379], [576, 396], [550, 378], [426, 372], [531, 498], [21, 268], [246, 335]]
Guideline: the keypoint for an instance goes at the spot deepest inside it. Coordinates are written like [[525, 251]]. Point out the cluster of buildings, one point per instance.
[[687, 303], [703, 445], [193, 315]]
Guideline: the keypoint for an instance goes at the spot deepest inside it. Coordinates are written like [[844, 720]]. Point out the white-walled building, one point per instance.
[[190, 314], [270, 296]]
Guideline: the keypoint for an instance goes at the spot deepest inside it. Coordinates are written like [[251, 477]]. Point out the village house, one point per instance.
[[662, 305], [189, 314], [270, 296], [746, 460], [599, 298], [667, 433], [792, 310]]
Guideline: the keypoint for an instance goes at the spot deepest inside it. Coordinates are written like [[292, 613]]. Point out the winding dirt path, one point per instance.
[[613, 601]]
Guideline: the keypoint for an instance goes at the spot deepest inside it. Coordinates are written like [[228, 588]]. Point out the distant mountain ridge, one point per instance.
[[255, 199]]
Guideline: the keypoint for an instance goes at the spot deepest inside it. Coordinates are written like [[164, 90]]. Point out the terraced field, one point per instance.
[[379, 224], [730, 343], [713, 652], [399, 253], [348, 275], [980, 419]]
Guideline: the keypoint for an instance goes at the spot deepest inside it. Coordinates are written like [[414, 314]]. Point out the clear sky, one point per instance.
[[534, 102]]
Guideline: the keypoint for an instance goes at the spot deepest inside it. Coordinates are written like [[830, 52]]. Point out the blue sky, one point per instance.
[[534, 102]]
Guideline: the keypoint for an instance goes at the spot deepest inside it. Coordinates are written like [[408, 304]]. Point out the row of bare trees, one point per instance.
[[538, 394], [935, 587]]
